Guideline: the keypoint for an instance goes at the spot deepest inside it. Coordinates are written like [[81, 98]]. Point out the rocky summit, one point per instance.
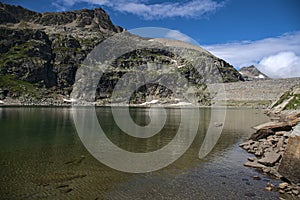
[[40, 54], [252, 73]]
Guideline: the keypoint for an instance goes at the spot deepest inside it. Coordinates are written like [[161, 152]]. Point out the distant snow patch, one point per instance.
[[149, 102], [70, 100], [182, 104], [261, 76]]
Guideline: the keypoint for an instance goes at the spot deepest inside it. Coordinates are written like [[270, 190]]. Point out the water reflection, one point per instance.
[[40, 151]]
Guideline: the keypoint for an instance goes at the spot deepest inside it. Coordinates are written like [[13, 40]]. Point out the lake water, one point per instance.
[[42, 157]]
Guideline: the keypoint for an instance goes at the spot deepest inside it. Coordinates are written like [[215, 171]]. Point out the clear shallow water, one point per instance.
[[42, 157]]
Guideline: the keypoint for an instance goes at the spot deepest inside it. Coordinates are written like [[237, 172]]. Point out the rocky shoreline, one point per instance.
[[66, 101], [276, 147]]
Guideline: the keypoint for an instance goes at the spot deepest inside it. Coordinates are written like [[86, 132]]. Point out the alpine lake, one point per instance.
[[43, 157]]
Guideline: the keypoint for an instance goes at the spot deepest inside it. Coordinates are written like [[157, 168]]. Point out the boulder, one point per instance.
[[283, 185], [261, 134], [270, 158], [290, 164], [254, 165], [271, 128]]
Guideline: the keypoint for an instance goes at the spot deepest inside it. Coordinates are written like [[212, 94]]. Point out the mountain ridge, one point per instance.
[[85, 18], [43, 51]]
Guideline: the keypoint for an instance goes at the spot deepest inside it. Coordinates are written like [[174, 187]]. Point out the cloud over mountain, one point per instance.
[[277, 57], [281, 65], [150, 11]]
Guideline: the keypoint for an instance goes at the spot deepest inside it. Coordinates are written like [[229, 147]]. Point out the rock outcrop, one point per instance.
[[289, 100], [163, 63], [41, 52], [96, 19]]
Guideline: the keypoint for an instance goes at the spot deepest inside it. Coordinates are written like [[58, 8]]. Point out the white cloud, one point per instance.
[[281, 65], [146, 10], [173, 34], [271, 55]]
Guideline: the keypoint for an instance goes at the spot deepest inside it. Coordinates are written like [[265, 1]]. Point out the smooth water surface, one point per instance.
[[42, 157]]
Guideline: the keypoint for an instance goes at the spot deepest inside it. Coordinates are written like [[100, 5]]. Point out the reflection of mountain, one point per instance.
[[44, 139], [41, 52], [252, 73]]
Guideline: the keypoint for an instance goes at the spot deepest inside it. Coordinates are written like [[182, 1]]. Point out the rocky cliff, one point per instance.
[[40, 54]]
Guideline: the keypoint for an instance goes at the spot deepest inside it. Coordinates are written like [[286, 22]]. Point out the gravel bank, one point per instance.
[[262, 91], [238, 94]]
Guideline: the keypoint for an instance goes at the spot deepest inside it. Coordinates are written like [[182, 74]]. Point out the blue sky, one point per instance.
[[243, 32]]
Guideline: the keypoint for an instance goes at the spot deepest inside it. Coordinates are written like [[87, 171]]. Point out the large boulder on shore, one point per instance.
[[270, 129], [290, 164]]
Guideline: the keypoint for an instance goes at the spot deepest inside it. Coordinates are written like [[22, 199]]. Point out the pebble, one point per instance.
[[266, 170], [67, 190], [295, 192], [251, 159], [270, 184], [283, 185], [268, 188], [250, 194], [62, 186], [281, 191]]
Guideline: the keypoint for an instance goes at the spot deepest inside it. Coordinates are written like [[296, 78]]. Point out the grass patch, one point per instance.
[[282, 98], [14, 53], [294, 103], [18, 87]]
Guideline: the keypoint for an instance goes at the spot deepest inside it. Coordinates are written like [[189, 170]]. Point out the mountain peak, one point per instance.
[[96, 19], [251, 73]]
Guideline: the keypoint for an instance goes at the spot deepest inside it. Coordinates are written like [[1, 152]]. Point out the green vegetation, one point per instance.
[[64, 49], [294, 103], [19, 87], [14, 53], [88, 41], [283, 97], [23, 24]]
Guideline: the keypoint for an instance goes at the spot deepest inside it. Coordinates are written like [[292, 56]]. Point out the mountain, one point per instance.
[[40, 54], [252, 73]]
